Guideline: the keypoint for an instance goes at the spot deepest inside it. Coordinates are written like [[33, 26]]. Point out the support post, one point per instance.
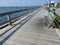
[[9, 19]]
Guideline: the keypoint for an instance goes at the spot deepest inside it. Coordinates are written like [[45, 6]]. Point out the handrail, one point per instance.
[[6, 13]]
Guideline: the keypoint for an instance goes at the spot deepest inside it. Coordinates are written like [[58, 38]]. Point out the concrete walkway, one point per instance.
[[58, 11], [34, 32]]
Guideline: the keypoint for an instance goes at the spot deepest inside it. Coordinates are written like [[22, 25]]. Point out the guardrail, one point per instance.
[[10, 13]]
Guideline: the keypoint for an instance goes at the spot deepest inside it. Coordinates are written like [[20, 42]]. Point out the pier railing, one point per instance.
[[12, 12]]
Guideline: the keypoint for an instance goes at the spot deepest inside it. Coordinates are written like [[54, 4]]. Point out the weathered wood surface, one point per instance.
[[34, 32]]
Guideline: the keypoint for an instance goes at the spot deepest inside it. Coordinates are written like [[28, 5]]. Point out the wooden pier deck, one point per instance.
[[33, 32]]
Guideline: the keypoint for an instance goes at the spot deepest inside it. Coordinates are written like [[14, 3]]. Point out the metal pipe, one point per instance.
[[9, 19]]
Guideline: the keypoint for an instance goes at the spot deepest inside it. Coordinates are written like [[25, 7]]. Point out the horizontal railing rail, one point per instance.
[[6, 13]]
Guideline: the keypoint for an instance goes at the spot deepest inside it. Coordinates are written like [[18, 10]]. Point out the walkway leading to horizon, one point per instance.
[[34, 32]]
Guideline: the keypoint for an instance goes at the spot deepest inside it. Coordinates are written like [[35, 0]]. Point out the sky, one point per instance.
[[23, 2]]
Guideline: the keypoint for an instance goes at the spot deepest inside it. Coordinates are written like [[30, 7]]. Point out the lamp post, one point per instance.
[[59, 3], [49, 2]]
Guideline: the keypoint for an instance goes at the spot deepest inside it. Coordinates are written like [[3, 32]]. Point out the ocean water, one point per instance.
[[9, 9]]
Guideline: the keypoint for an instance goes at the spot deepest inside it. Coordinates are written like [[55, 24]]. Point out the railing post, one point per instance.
[[9, 19]]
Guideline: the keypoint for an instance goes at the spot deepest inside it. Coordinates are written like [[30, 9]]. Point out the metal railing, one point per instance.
[[12, 12]]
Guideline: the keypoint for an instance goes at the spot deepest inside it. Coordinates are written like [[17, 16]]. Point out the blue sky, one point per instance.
[[23, 2]]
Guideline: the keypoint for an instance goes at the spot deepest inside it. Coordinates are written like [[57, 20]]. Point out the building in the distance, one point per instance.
[[52, 3]]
